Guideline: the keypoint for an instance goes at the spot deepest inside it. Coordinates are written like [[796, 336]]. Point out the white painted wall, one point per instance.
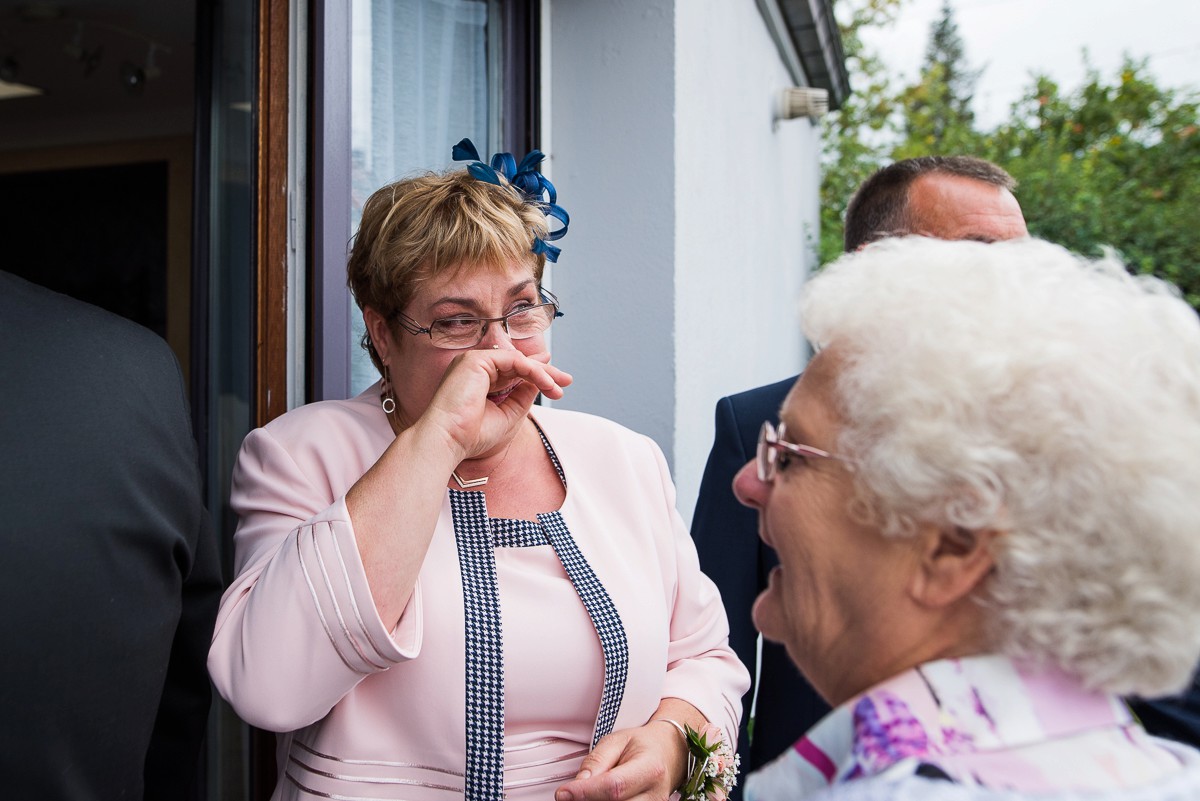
[[691, 214], [746, 193], [612, 125]]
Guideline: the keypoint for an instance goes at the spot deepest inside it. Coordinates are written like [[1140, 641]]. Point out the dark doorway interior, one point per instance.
[[98, 234], [97, 127]]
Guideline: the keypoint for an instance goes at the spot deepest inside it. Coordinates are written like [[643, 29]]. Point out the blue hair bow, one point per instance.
[[525, 177]]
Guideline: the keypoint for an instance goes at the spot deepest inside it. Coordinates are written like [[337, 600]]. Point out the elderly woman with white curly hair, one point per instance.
[[985, 495]]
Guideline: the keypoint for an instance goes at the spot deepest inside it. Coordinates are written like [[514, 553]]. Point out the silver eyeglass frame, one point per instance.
[[416, 329]]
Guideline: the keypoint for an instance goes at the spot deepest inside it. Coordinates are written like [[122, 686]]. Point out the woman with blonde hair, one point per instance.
[[442, 589]]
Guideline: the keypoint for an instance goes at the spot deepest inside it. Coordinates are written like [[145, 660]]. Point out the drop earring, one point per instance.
[[385, 393]]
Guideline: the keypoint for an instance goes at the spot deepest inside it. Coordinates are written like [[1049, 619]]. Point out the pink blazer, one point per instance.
[[368, 713]]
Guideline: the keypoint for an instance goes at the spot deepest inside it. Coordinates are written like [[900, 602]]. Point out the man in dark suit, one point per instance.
[[951, 197], [110, 580]]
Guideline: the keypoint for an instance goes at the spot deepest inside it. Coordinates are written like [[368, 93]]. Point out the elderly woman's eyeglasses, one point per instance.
[[464, 331], [774, 453]]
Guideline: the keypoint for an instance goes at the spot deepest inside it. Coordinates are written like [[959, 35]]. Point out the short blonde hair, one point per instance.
[[417, 228], [1020, 388]]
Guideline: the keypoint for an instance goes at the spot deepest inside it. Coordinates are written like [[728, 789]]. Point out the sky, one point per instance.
[[1012, 39]]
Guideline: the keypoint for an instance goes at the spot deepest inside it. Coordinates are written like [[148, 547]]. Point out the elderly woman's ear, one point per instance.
[[953, 564]]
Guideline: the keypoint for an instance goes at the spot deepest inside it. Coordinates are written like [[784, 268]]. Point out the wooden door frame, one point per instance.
[[271, 212], [271, 246]]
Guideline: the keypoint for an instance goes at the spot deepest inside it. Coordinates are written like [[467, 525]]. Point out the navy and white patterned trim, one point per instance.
[[550, 452], [484, 648], [476, 536], [509, 533], [604, 617]]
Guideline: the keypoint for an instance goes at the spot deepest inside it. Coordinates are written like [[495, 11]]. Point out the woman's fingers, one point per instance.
[[500, 365], [548, 379], [624, 766], [484, 393], [605, 755], [590, 781]]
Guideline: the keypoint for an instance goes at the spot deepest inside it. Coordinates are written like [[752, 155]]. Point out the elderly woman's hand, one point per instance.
[[485, 393]]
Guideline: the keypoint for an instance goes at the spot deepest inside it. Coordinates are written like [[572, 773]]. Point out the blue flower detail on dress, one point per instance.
[[886, 731], [536, 188]]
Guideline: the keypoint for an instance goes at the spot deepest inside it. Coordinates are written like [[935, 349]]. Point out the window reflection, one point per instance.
[[419, 83]]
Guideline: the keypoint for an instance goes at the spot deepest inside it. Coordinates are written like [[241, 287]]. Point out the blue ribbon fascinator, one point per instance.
[[528, 181]]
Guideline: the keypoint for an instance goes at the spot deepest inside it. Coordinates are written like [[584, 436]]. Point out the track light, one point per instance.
[[133, 78], [74, 48], [151, 69]]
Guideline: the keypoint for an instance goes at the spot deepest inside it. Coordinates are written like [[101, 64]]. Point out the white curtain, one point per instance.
[[419, 84]]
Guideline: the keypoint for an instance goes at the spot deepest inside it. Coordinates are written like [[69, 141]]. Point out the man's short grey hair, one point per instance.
[[1019, 388], [880, 206]]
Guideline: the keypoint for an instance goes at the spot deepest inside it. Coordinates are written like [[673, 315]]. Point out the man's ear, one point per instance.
[[953, 563]]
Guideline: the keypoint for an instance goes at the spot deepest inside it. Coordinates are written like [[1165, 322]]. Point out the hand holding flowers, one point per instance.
[[712, 766], [628, 764]]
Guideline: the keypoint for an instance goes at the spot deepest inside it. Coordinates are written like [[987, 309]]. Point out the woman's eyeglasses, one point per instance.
[[464, 331], [768, 456]]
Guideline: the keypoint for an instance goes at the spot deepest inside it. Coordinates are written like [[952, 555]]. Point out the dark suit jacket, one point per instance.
[[731, 553], [109, 581], [1176, 717]]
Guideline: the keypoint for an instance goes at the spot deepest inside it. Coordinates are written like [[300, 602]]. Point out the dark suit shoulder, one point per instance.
[[77, 337], [43, 308], [764, 400], [749, 409]]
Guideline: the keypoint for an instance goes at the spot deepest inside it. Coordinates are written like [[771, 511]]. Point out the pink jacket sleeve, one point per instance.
[[297, 630], [701, 668]]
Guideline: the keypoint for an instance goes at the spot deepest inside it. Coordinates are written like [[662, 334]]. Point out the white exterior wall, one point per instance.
[[746, 191], [691, 212], [612, 122]]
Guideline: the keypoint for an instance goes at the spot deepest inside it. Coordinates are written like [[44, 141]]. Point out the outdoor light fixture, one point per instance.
[[803, 101]]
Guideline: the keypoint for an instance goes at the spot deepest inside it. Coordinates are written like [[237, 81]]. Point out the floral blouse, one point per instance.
[[984, 721]]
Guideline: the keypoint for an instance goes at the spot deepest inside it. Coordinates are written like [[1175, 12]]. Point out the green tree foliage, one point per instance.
[[856, 139], [937, 108], [1111, 164]]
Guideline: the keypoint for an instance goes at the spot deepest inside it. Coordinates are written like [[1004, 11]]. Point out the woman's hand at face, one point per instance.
[[486, 393], [643, 763]]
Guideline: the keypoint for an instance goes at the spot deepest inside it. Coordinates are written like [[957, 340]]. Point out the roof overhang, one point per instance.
[[806, 35]]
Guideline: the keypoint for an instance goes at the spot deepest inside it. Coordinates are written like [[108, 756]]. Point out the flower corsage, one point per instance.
[[712, 766]]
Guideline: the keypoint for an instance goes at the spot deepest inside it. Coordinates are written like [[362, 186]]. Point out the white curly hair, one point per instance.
[[1020, 388]]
